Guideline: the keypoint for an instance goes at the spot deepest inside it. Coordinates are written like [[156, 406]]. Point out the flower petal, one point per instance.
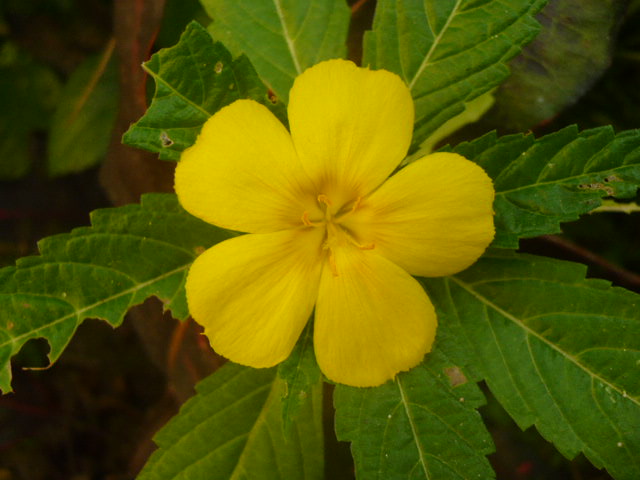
[[372, 320], [253, 294], [433, 218], [351, 126], [243, 173]]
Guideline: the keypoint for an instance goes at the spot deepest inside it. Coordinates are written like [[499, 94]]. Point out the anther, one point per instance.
[[322, 198], [306, 221], [356, 205], [361, 246]]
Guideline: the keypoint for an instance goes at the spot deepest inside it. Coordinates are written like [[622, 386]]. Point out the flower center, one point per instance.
[[336, 234]]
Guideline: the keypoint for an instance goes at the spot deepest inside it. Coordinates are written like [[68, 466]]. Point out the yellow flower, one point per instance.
[[325, 228]]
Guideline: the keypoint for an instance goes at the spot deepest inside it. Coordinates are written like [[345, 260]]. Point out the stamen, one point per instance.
[[356, 205], [322, 198], [332, 263], [306, 221], [361, 246]]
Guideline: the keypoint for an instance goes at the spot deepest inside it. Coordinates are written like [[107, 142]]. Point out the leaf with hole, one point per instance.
[[129, 254], [194, 79], [542, 182]]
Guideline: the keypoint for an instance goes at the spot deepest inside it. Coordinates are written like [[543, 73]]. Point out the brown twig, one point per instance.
[[175, 343], [621, 276], [129, 172], [357, 6]]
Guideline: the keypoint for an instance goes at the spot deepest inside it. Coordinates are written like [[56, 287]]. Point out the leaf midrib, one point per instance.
[[158, 78], [529, 331], [416, 438], [81, 311], [567, 179], [221, 412], [237, 471], [285, 33], [434, 45]]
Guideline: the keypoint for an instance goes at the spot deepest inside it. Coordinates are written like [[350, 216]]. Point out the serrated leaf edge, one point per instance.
[[531, 332], [78, 313]]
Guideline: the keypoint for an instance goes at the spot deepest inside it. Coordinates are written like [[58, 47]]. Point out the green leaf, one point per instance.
[[472, 112], [28, 94], [540, 183], [81, 126], [558, 351], [129, 254], [194, 79], [232, 429], [543, 82], [281, 37], [423, 425], [448, 51], [300, 374]]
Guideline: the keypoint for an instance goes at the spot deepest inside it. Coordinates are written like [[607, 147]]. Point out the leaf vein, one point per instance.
[[82, 310], [434, 45], [554, 401], [414, 432], [287, 37], [630, 455], [159, 79], [507, 366], [573, 359]]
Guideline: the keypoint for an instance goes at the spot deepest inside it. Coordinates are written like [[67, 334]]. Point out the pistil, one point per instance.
[[335, 234]]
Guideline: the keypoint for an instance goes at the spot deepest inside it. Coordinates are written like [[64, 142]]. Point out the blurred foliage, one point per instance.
[[81, 125], [28, 92], [560, 65], [42, 43], [615, 98]]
